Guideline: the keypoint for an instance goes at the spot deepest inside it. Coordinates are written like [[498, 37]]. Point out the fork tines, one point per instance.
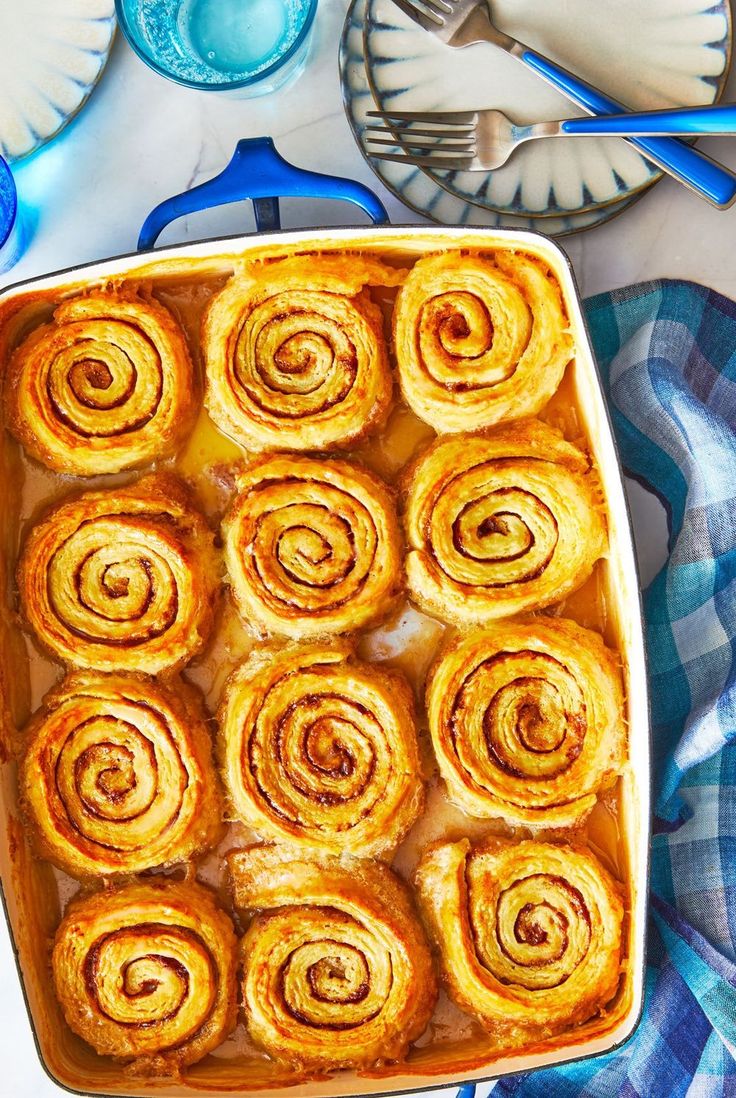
[[443, 140], [465, 119], [428, 13]]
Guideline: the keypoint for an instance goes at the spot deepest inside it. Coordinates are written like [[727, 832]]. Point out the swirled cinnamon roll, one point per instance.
[[117, 775], [527, 721], [500, 523], [312, 547], [148, 973], [529, 933], [336, 969], [320, 750], [295, 355], [107, 385], [123, 580], [479, 340]]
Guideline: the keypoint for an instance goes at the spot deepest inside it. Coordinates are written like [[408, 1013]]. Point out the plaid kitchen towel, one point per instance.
[[667, 351]]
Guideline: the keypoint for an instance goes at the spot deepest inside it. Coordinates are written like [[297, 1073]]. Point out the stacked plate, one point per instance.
[[679, 56], [52, 54]]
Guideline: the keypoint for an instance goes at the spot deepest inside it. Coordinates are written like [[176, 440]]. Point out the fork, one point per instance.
[[460, 23], [471, 141]]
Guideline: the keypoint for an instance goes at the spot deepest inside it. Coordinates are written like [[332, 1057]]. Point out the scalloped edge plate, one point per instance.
[[679, 57], [52, 54], [416, 188]]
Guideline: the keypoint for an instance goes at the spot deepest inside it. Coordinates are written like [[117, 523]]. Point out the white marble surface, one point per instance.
[[141, 139]]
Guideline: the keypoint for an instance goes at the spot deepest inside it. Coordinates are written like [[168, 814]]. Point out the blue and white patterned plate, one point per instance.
[[52, 53], [414, 187], [679, 55]]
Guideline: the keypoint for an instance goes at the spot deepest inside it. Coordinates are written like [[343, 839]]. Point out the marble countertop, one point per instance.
[[141, 139]]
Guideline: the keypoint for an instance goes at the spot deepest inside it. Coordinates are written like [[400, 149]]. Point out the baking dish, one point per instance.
[[29, 886]]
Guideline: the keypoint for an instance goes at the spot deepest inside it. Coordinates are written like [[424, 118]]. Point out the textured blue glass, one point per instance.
[[216, 43], [8, 202], [12, 241]]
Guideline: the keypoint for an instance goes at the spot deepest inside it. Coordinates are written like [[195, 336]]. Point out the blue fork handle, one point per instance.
[[690, 166], [259, 172], [719, 119]]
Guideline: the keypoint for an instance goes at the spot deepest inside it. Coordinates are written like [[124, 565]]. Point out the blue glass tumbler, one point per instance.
[[11, 237], [244, 47]]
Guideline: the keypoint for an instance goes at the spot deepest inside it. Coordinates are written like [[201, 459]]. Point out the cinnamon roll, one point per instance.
[[107, 385], [500, 523], [123, 580], [336, 968], [148, 973], [479, 340], [117, 775], [312, 547], [320, 750], [529, 933], [295, 355], [527, 721]]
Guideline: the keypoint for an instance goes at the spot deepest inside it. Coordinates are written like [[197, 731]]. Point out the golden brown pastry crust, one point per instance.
[[117, 775], [123, 580], [337, 971], [479, 340], [294, 353], [296, 892], [500, 523], [107, 385], [320, 750], [527, 721], [312, 547], [148, 973], [529, 933]]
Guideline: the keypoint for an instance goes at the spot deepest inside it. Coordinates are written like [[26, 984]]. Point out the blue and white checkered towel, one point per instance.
[[667, 351]]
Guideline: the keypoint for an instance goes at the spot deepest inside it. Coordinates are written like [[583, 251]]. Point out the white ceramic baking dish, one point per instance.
[[26, 882]]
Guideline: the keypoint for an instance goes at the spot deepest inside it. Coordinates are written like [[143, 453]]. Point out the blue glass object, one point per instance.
[[259, 172], [11, 242], [246, 47]]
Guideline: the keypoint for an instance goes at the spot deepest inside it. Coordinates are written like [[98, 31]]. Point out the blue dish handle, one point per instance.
[[690, 166], [259, 172], [719, 119]]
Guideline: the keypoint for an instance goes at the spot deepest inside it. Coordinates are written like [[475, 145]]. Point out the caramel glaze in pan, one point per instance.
[[408, 641]]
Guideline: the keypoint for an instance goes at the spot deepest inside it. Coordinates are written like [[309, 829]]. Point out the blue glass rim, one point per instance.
[[8, 202], [203, 85]]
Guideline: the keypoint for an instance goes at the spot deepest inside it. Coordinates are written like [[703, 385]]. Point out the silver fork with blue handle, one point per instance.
[[474, 141], [460, 23]]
